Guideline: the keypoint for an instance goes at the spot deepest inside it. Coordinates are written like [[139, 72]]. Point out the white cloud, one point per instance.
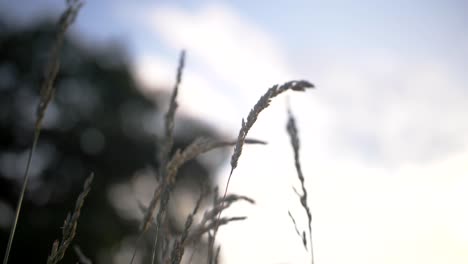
[[394, 110], [228, 46], [399, 200], [198, 95], [231, 62], [409, 215]]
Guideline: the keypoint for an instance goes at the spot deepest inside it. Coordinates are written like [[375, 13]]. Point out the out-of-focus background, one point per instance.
[[384, 136]]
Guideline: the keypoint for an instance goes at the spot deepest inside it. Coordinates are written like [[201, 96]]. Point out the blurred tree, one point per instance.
[[98, 121]]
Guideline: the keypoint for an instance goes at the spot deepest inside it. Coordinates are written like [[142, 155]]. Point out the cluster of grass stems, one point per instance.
[[168, 248]]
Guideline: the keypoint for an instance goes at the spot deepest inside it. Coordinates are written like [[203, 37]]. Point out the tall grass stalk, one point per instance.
[[261, 104], [167, 171], [69, 227], [295, 143], [46, 95], [165, 150], [169, 166]]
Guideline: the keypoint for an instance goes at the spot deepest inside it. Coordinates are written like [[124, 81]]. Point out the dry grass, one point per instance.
[[167, 247], [212, 219], [166, 185], [69, 227], [168, 171], [46, 94], [261, 104], [295, 143]]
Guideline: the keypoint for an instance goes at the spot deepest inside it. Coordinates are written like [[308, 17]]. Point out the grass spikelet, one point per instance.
[[148, 216], [48, 89], [169, 167], [165, 150], [170, 115], [212, 221], [179, 246], [295, 143], [164, 192], [46, 94], [197, 147], [69, 226], [262, 103]]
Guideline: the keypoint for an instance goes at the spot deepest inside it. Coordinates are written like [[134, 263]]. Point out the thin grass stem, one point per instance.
[[46, 94]]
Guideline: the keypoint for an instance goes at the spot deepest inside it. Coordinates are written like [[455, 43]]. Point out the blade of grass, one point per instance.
[[46, 94]]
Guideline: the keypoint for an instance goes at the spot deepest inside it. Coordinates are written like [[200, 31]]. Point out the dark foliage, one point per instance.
[[98, 121]]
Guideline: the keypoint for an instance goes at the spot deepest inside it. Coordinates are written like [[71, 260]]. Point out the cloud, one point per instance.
[[230, 61], [392, 110], [198, 98], [228, 46], [393, 175], [364, 213], [386, 109]]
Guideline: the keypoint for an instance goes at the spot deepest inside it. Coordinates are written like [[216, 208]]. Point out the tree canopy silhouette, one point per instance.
[[98, 122]]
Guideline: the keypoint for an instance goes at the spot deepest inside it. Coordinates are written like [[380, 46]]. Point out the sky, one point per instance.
[[384, 136]]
